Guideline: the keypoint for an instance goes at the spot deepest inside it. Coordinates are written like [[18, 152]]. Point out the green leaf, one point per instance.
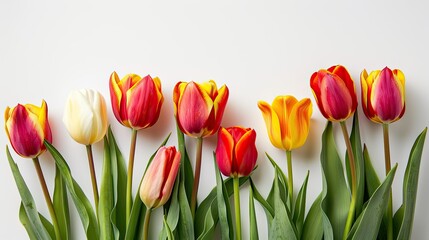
[[372, 180], [168, 230], [299, 212], [33, 224], [397, 221], [313, 225], [224, 207], [410, 184], [269, 210], [61, 205], [356, 143], [119, 180], [186, 222], [106, 196], [48, 226], [281, 226], [185, 166], [367, 225], [81, 202], [283, 185], [25, 222], [172, 212], [254, 235], [336, 202]]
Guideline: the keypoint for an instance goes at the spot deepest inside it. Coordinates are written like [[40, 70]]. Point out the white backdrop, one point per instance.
[[259, 50]]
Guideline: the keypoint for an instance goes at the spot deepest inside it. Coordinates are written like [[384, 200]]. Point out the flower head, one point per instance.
[[335, 93], [383, 95], [85, 116], [287, 121], [136, 101], [236, 152], [199, 107], [159, 179], [27, 127]]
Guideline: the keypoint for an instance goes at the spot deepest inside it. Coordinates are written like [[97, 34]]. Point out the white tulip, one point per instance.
[[85, 116]]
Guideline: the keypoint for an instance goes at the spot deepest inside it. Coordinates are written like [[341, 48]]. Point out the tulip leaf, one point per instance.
[[206, 217], [61, 206], [105, 206], [283, 186], [25, 222], [368, 223], [313, 224], [299, 211], [138, 210], [410, 184], [356, 144], [185, 166], [33, 224], [336, 202], [186, 221], [269, 211], [81, 202], [224, 208], [253, 223], [167, 229], [281, 226], [172, 212]]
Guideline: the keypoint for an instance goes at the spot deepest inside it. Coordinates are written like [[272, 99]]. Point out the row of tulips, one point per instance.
[[359, 209]]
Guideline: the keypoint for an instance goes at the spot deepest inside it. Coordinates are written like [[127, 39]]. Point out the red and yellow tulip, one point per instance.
[[287, 121], [159, 179], [27, 126], [199, 107], [236, 152], [383, 95], [136, 101], [335, 93]]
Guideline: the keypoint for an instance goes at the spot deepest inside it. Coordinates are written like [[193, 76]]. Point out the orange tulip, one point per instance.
[[27, 126], [335, 93], [383, 95], [287, 121], [199, 107]]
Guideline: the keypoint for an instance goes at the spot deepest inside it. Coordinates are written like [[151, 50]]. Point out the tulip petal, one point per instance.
[[219, 105], [283, 106], [224, 152], [246, 153], [299, 123], [272, 123], [115, 95], [171, 176], [152, 182]]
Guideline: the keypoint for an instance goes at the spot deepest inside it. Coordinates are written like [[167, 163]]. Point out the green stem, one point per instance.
[[93, 176], [196, 175], [289, 177], [47, 197], [352, 208], [388, 167], [146, 223], [130, 175], [236, 182]]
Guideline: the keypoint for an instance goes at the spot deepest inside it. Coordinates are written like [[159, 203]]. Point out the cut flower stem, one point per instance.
[[130, 175], [196, 175], [93, 176], [236, 182], [290, 177], [388, 167]]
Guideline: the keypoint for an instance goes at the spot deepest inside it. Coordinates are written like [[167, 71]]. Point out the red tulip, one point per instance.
[[236, 152], [335, 93], [27, 126], [199, 107], [136, 101]]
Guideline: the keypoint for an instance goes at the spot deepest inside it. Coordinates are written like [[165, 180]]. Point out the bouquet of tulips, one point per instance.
[[355, 203]]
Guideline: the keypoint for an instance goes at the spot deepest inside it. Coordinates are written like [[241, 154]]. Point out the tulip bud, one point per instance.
[[159, 179], [27, 127], [85, 116], [136, 101], [199, 107], [335, 93], [287, 121], [236, 152], [383, 95]]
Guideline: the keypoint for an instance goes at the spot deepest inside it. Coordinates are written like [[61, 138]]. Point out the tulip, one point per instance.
[[383, 101], [136, 101], [158, 181], [236, 152], [198, 109], [27, 127], [383, 95], [236, 156], [287, 121], [335, 93], [85, 116], [136, 104]]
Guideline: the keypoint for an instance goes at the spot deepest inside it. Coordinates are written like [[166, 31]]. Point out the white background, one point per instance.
[[259, 50]]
